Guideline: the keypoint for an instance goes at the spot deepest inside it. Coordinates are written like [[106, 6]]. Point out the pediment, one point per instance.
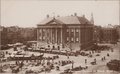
[[54, 22]]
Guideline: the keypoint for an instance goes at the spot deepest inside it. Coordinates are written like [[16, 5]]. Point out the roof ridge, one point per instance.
[[67, 20], [59, 21], [78, 19], [84, 18]]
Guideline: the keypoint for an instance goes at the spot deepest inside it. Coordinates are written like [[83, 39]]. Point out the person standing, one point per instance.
[[85, 61], [108, 54], [95, 60], [104, 58], [72, 64], [68, 56]]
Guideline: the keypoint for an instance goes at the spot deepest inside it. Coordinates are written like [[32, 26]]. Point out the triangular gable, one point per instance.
[[45, 21], [55, 21]]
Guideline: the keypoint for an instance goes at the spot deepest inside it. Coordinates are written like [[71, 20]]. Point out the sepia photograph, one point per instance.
[[59, 36]]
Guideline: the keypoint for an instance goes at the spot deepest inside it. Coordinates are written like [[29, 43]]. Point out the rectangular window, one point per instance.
[[67, 30], [40, 30], [40, 37], [76, 39], [44, 37], [72, 39], [67, 39], [77, 30], [43, 30]]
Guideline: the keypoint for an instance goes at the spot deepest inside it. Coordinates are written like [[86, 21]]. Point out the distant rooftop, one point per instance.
[[108, 26]]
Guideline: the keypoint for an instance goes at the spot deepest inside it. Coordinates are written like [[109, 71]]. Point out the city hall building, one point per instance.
[[72, 32]]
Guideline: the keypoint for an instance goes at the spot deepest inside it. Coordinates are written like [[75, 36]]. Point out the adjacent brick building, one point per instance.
[[108, 34], [118, 31]]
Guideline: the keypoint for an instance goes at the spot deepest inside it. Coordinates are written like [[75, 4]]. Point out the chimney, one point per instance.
[[47, 15], [75, 14]]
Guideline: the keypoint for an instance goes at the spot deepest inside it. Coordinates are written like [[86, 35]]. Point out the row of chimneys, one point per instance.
[[75, 14]]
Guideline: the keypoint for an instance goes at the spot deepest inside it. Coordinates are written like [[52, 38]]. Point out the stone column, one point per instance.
[[56, 36], [51, 36], [61, 36], [46, 35]]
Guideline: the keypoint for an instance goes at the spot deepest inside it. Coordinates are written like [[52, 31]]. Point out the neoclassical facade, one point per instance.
[[73, 32]]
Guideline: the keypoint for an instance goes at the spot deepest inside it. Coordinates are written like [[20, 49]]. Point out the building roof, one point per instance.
[[66, 20], [1, 28]]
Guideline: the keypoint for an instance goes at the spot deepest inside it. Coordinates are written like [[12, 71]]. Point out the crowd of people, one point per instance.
[[46, 64]]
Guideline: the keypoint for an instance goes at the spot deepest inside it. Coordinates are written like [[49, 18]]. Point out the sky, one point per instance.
[[28, 13]]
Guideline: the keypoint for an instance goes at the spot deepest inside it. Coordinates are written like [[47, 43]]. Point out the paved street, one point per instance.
[[100, 68]]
